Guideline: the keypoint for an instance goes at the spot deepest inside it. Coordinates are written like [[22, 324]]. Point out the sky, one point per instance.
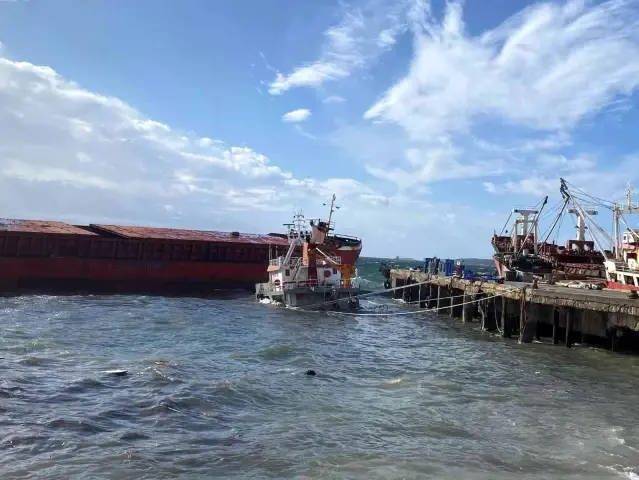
[[429, 120]]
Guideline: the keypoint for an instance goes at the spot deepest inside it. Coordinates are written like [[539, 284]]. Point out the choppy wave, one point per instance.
[[217, 388]]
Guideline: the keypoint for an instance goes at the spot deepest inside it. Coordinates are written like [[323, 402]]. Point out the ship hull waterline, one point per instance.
[[105, 276]]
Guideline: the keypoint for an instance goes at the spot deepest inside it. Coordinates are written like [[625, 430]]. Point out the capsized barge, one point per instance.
[[39, 256], [55, 257]]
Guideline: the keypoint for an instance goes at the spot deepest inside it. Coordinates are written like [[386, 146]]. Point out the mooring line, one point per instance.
[[363, 295], [425, 310], [432, 299]]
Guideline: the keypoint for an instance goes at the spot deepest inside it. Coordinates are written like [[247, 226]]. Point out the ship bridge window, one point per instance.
[[287, 272]]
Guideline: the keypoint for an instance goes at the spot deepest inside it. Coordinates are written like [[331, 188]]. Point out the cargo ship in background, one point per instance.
[[621, 261], [516, 255], [56, 257], [523, 254], [607, 258]]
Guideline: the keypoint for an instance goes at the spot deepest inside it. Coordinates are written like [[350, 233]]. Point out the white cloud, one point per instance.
[[561, 164], [296, 116], [358, 39], [490, 187], [535, 186], [75, 155], [505, 101], [304, 133], [334, 99], [99, 158], [603, 179], [546, 68]]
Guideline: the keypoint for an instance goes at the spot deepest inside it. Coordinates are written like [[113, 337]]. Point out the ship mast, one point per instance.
[[333, 208], [596, 232], [525, 221], [581, 224], [618, 211]]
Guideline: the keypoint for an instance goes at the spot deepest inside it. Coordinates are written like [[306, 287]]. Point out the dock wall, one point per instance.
[[563, 314]]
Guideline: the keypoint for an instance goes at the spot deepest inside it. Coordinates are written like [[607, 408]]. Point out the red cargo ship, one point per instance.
[[54, 256], [49, 256]]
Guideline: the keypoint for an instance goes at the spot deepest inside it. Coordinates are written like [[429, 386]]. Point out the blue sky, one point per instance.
[[429, 120]]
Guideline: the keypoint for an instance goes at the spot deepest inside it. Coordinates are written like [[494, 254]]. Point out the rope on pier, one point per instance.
[[497, 320], [425, 310], [432, 299], [363, 295], [479, 285]]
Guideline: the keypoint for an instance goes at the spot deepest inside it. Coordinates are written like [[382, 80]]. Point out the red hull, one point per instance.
[[621, 286], [122, 276], [349, 256], [500, 267], [57, 257]]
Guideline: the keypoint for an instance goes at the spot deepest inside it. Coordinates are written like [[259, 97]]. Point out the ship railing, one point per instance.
[[341, 236], [334, 259], [279, 261], [524, 207], [300, 284], [622, 267], [317, 222], [352, 283]]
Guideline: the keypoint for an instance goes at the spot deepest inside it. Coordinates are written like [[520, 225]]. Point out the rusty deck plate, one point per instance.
[[132, 232], [40, 227]]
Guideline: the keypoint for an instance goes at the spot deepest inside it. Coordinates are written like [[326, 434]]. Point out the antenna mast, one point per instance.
[[333, 208]]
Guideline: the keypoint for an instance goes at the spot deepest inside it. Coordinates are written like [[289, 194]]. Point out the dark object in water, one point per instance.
[[310, 372]]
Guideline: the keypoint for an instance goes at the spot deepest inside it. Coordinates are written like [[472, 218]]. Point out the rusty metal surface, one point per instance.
[[132, 232], [40, 226]]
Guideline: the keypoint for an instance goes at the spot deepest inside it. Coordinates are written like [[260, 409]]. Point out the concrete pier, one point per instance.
[[563, 315]]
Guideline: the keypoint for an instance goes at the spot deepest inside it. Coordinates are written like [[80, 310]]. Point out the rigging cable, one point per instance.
[[561, 223], [426, 310], [601, 201], [549, 231], [506, 224], [368, 294]]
